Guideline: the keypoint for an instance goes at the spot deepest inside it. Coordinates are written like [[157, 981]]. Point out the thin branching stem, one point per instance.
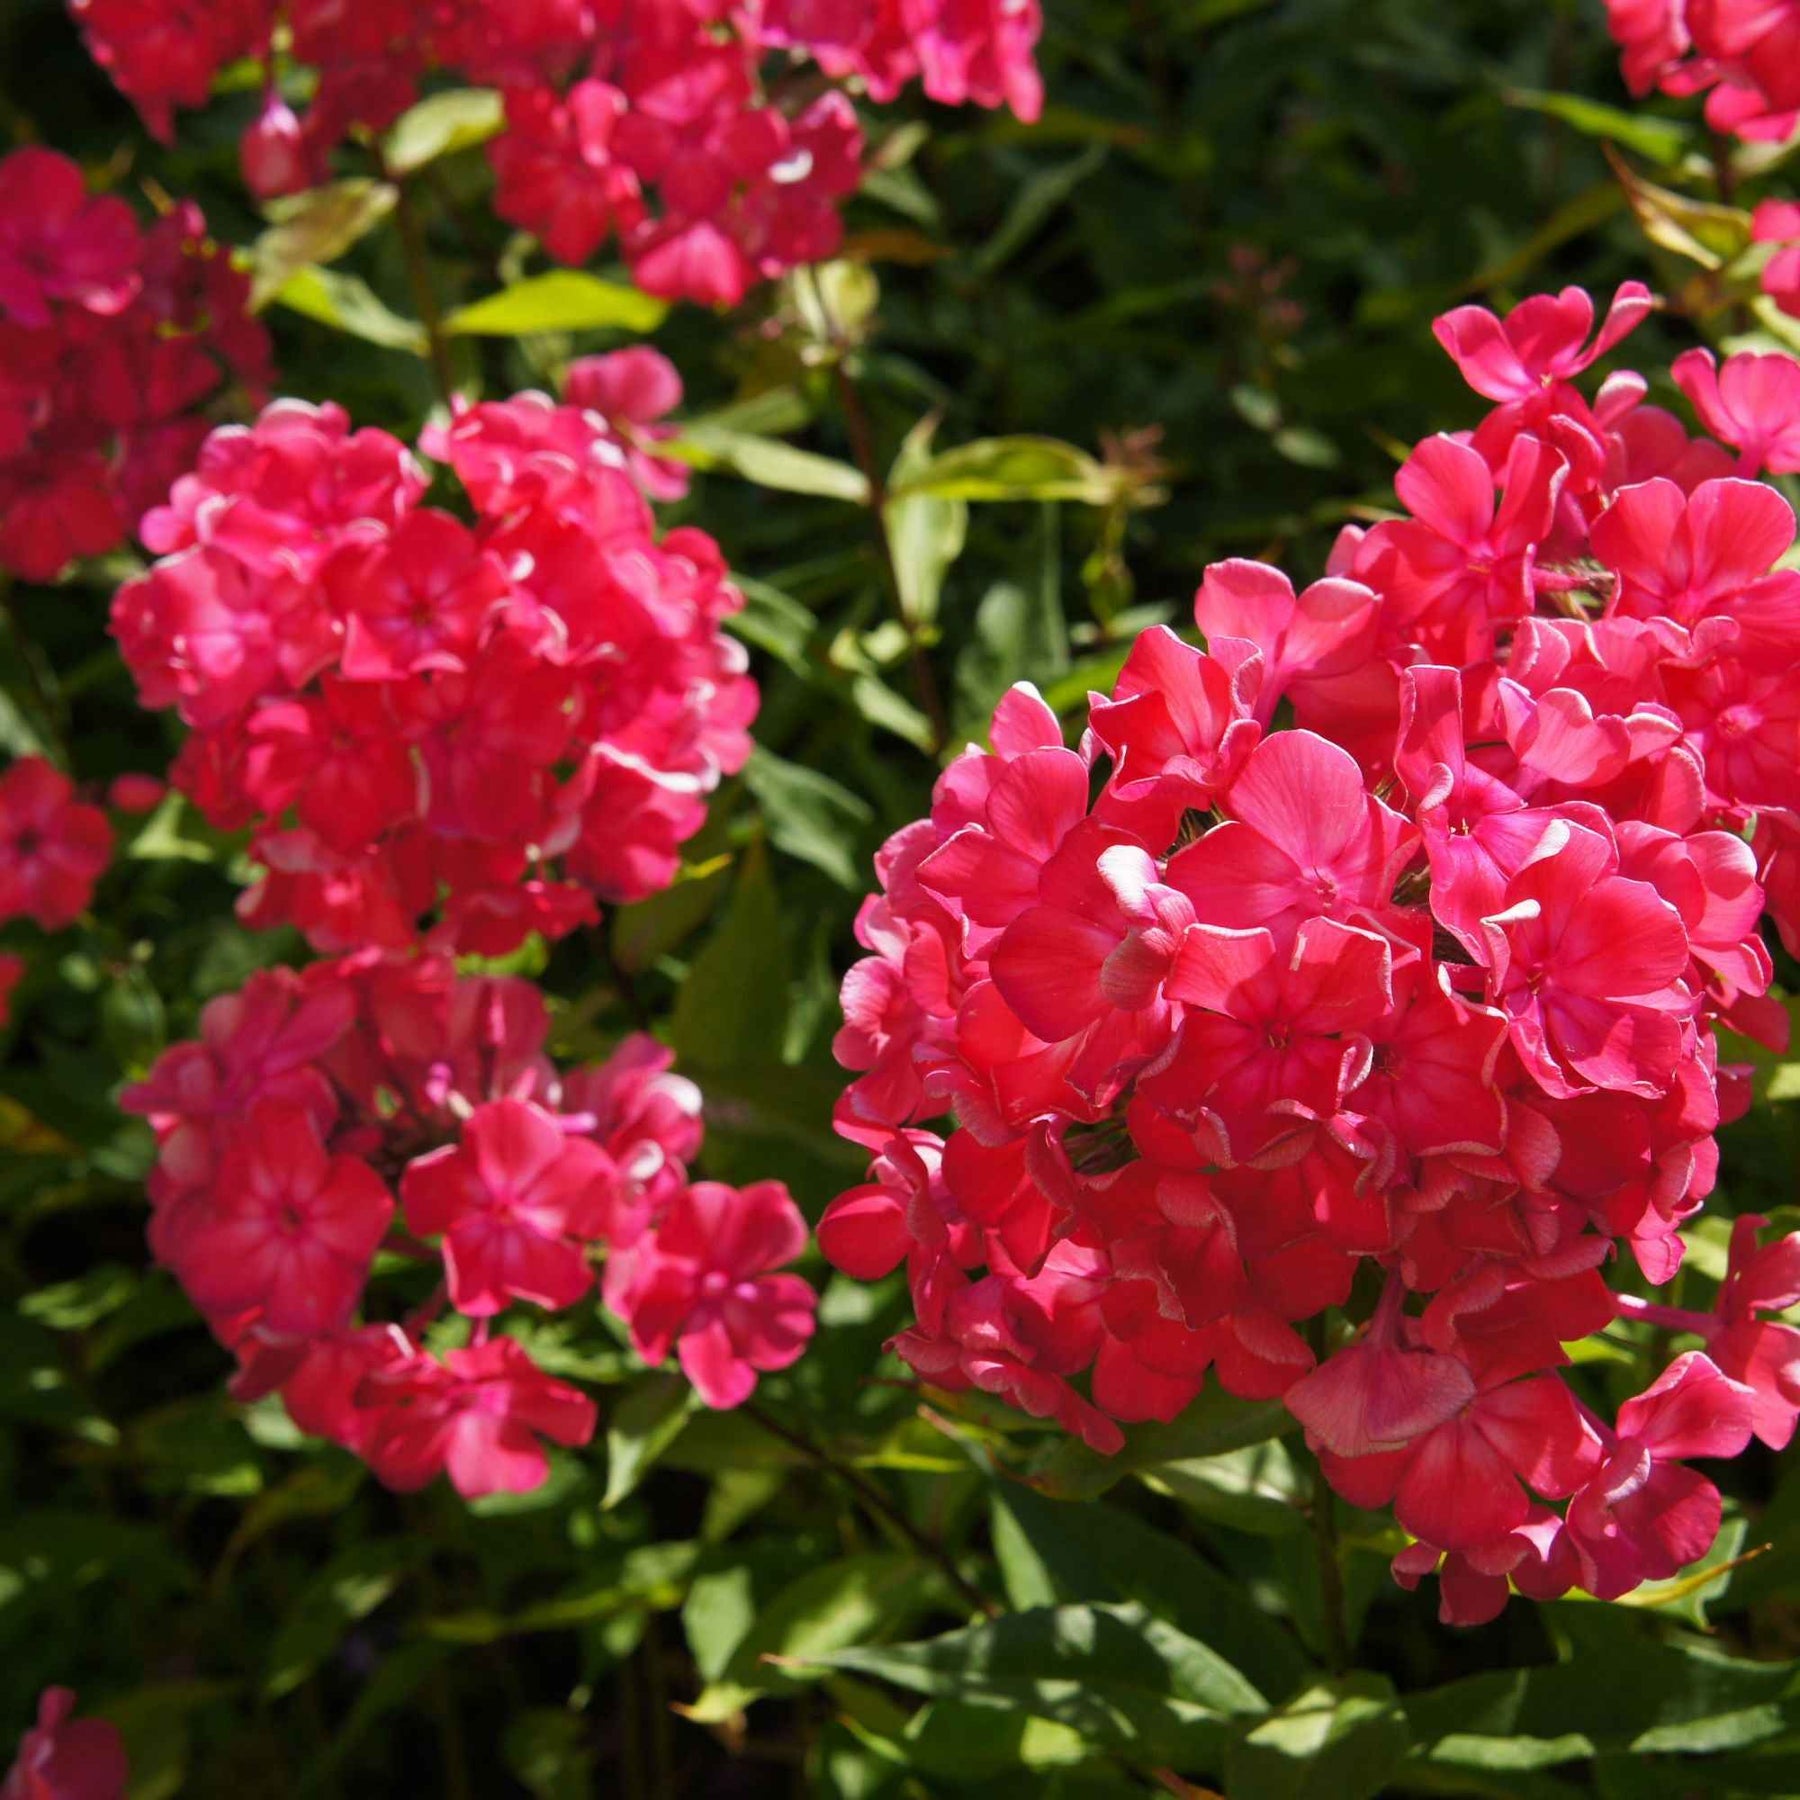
[[877, 1504]]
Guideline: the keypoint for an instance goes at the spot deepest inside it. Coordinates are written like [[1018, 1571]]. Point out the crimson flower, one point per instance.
[[705, 1285]]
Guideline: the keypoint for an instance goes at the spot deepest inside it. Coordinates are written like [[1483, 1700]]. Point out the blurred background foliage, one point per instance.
[[1184, 316]]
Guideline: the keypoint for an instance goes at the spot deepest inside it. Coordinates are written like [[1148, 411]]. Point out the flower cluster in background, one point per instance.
[[1744, 55], [113, 339], [379, 1104], [1418, 999], [646, 120], [433, 727], [53, 846]]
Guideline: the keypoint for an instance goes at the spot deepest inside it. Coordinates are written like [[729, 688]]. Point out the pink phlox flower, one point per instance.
[[1752, 404], [288, 1228], [478, 1415], [514, 1202], [706, 1284], [1303, 838], [1643, 1516], [1272, 1039], [1588, 968], [1762, 1353]]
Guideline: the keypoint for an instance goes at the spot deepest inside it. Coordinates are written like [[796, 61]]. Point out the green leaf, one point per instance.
[[548, 1748], [563, 300], [650, 1578], [440, 125], [732, 1008], [1341, 1740], [1255, 1489], [347, 303], [776, 623], [652, 928], [1051, 1552], [1021, 633], [963, 1743], [175, 832], [315, 227], [83, 1302], [1125, 1680], [925, 531], [397, 1676], [766, 462], [1032, 206], [1014, 468], [1699, 230], [1214, 1424], [717, 1615], [133, 1022], [876, 702], [314, 1490], [350, 1587], [828, 1609], [1664, 141], [154, 1722], [642, 1426], [1576, 217], [811, 817], [1619, 1687]]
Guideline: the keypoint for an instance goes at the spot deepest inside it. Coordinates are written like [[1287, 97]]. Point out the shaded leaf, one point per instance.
[[350, 1587], [844, 1603], [1662, 140], [640, 1427], [732, 1007], [810, 816], [1123, 1679], [1051, 1552], [315, 227], [347, 303]]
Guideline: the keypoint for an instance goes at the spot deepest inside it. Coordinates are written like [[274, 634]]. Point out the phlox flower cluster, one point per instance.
[[65, 1758], [688, 129], [464, 730], [1409, 1009], [1744, 55], [379, 1105], [113, 339]]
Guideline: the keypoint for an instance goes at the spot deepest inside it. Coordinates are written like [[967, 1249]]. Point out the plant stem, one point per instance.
[[877, 1504], [624, 985], [1331, 1572], [1323, 1507], [862, 451], [418, 277]]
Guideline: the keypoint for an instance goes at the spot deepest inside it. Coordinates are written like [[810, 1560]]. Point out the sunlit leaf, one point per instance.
[[562, 300]]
